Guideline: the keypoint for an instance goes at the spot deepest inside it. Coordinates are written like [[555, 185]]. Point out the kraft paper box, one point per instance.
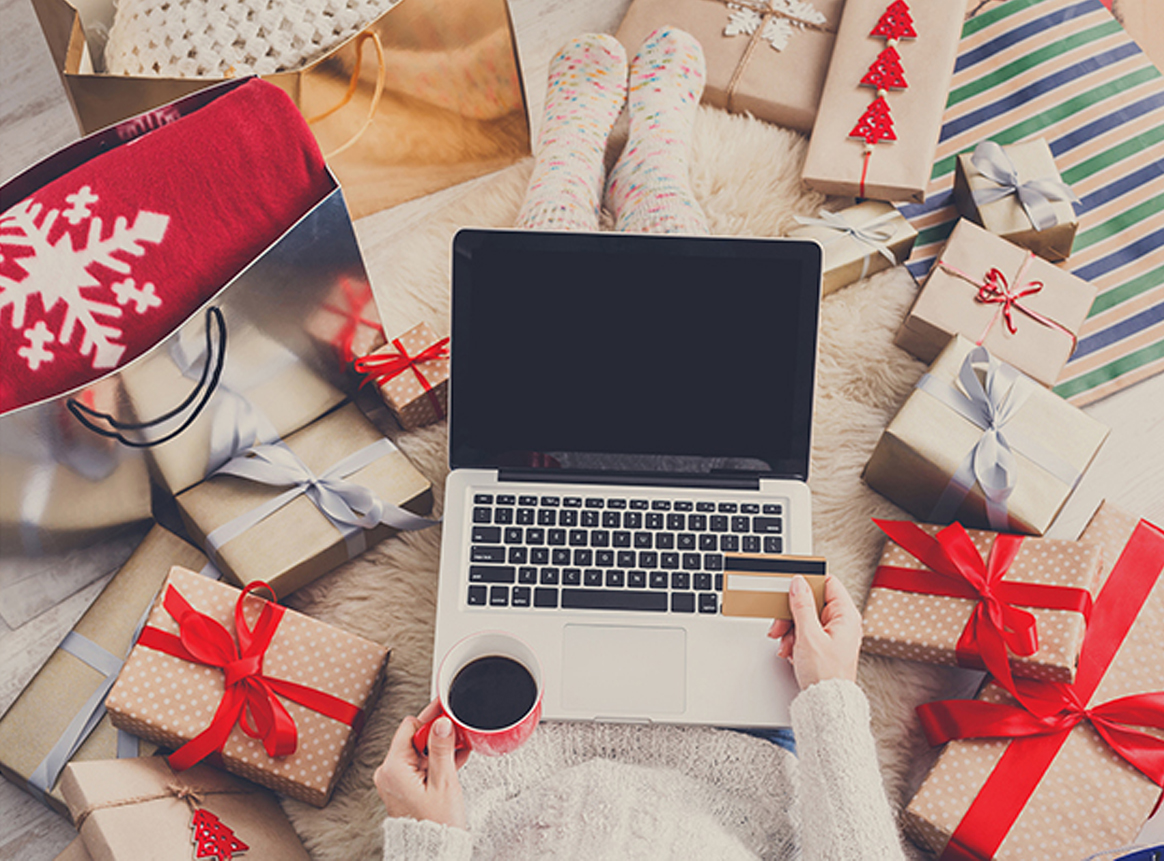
[[848, 258], [38, 720], [347, 325], [1088, 799], [1006, 216], [75, 851], [297, 543], [414, 386], [130, 810], [170, 700], [767, 58], [927, 441], [898, 169], [919, 627], [963, 294]]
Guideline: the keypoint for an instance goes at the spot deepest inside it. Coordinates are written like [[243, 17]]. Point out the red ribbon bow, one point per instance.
[[382, 367], [249, 698], [1037, 736], [995, 624], [353, 319], [994, 289]]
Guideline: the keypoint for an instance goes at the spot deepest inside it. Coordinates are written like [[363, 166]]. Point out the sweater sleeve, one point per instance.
[[843, 809], [424, 841]]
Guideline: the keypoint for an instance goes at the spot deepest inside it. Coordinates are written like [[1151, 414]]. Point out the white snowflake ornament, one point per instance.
[[778, 20]]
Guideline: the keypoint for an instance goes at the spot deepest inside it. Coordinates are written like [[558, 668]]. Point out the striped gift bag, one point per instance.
[[1066, 71]]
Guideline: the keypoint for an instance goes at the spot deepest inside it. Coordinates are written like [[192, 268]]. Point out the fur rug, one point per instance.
[[746, 175]]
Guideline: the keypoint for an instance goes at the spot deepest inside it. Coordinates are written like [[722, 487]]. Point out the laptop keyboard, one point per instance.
[[611, 553]]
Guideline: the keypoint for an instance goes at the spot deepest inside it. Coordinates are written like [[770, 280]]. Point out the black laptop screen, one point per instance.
[[632, 352]]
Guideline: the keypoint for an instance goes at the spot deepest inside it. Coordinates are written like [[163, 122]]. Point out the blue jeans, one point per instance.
[[781, 737]]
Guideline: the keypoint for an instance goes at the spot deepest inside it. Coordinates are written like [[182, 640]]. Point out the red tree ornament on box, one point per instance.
[[213, 838], [876, 124], [886, 72], [895, 22]]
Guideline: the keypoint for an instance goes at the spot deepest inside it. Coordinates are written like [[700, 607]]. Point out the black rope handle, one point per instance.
[[201, 393]]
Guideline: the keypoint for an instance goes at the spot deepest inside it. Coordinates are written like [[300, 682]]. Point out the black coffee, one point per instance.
[[492, 693]]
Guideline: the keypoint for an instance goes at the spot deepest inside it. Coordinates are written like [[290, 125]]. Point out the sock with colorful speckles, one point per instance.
[[586, 92], [649, 190]]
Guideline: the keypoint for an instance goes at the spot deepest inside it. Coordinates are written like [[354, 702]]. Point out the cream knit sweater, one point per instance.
[[598, 791]]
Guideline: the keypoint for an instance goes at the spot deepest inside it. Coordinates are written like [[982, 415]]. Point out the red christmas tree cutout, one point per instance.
[[886, 72], [876, 124], [213, 838], [895, 22]]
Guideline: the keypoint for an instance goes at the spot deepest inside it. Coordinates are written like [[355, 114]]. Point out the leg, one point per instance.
[[650, 187], [587, 89]]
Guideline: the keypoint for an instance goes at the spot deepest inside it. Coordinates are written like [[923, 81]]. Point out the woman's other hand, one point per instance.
[[423, 786], [820, 648]]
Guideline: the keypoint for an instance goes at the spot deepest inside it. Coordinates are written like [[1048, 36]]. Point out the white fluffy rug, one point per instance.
[[746, 175]]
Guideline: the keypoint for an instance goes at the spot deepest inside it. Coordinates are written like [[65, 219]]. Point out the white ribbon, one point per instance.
[[1035, 195], [874, 233], [350, 507], [991, 462]]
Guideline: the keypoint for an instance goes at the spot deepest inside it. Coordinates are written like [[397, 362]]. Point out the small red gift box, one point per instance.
[[412, 372]]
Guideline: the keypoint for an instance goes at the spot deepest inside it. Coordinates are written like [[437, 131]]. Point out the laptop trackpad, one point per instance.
[[619, 671]]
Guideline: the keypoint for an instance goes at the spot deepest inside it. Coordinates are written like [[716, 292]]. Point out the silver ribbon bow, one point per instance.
[[991, 462], [350, 507], [1035, 195], [874, 233]]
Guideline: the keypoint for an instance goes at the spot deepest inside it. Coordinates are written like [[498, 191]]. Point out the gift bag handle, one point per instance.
[[199, 396]]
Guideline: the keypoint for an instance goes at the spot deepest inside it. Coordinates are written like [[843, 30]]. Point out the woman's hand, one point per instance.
[[824, 648], [419, 786]]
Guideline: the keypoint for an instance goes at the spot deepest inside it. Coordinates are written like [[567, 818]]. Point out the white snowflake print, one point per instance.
[[57, 271], [745, 19]]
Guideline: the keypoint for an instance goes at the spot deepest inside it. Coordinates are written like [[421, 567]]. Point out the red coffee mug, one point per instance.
[[491, 742]]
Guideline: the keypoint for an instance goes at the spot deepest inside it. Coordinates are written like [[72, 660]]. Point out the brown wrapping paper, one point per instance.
[[745, 72], [36, 721], [129, 810], [1089, 800], [298, 543], [1006, 217], [926, 628], [948, 304], [404, 393], [926, 442], [900, 169], [347, 324], [847, 258], [75, 851], [170, 701]]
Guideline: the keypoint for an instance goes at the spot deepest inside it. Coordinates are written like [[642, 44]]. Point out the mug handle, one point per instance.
[[420, 737]]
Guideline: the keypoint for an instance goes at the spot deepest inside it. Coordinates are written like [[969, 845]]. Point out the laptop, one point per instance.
[[624, 410]]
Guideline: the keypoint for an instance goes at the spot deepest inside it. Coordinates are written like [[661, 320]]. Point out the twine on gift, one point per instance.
[[357, 301], [994, 289], [193, 798], [1035, 196], [874, 233], [353, 83], [382, 367]]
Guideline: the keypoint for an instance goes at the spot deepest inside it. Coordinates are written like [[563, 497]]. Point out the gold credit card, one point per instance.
[[756, 584]]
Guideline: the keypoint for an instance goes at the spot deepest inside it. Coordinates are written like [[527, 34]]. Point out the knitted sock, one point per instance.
[[650, 187], [587, 89]]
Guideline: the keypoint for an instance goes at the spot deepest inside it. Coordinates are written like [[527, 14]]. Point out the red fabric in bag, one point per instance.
[[99, 265]]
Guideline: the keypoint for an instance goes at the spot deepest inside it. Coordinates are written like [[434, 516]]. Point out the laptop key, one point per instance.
[[638, 504], [622, 538], [717, 523], [713, 561], [568, 517], [659, 579], [556, 537], [506, 499], [525, 516], [676, 522], [768, 525], [611, 519], [680, 580], [503, 515], [590, 519], [728, 508], [616, 503], [683, 505], [492, 573], [632, 520], [682, 602], [561, 556], [518, 555], [544, 597], [660, 505], [583, 557], [498, 596], [705, 506], [750, 508], [592, 577], [482, 515], [477, 596], [648, 559], [521, 596], [669, 560], [718, 582], [692, 561], [486, 534], [751, 544], [644, 540], [708, 602], [615, 579], [664, 540], [708, 541], [535, 535], [549, 577], [572, 502], [773, 544], [702, 582], [599, 538], [636, 579], [626, 558], [741, 523], [527, 500], [604, 558], [550, 501], [481, 553], [686, 540], [731, 543], [593, 502], [527, 574], [571, 576], [600, 599], [547, 517], [513, 534], [697, 522], [578, 537], [654, 520], [483, 499], [772, 508]]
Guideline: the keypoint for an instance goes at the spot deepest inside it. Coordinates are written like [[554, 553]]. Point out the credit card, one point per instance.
[[756, 584]]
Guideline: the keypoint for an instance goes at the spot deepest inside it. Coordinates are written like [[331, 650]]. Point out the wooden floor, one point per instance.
[[35, 119]]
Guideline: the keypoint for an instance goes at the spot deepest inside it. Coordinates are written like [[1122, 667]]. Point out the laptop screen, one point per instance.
[[635, 353]]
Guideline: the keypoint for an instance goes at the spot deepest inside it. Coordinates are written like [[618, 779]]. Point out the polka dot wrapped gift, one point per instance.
[[279, 696], [412, 372], [974, 598], [1076, 769]]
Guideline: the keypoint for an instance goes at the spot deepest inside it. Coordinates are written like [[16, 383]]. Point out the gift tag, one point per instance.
[[213, 839], [756, 584]]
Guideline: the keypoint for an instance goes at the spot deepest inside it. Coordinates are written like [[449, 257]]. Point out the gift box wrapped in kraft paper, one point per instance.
[[978, 442], [858, 241], [347, 325], [278, 696], [60, 716], [1015, 606], [1021, 308], [289, 512], [127, 811], [412, 373], [1064, 771], [767, 58], [881, 109], [1016, 192]]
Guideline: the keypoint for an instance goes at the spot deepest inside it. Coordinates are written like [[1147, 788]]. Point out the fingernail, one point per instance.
[[798, 585], [443, 727], [772, 629]]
